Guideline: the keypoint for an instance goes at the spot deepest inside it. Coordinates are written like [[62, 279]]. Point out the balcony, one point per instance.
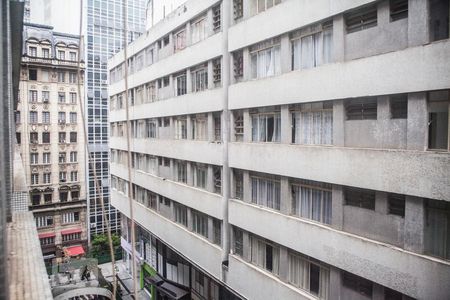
[[41, 61]]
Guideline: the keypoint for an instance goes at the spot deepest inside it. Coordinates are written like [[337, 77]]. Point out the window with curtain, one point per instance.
[[312, 46], [313, 124], [265, 59], [266, 127], [181, 171], [312, 201], [180, 82], [200, 175], [180, 40], [180, 214], [238, 241], [266, 192], [180, 128], [265, 255], [198, 29], [200, 223], [262, 5], [199, 79], [199, 128], [437, 228], [308, 275]]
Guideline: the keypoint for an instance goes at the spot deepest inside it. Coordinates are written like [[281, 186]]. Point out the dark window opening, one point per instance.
[[314, 279], [398, 9], [439, 19], [361, 19], [399, 106], [269, 258], [356, 283], [396, 205], [361, 108], [360, 198], [32, 74]]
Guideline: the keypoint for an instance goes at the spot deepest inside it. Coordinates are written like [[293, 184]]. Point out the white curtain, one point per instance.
[[327, 46], [313, 50], [312, 204], [307, 52], [313, 128], [266, 62], [298, 272], [324, 283]]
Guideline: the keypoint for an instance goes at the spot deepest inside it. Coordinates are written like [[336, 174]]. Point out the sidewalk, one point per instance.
[[125, 277]]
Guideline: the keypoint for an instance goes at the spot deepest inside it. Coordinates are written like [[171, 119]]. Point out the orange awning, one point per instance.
[[74, 251], [46, 235], [70, 231]]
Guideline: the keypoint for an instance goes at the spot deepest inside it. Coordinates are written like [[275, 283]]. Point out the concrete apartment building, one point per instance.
[[288, 149], [49, 133]]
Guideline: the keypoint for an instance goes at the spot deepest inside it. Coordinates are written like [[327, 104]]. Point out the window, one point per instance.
[[238, 9], [47, 241], [48, 196], [33, 117], [75, 195], [71, 217], [200, 223], [312, 50], [217, 232], [61, 76], [180, 81], [180, 40], [72, 77], [437, 228], [73, 156], [45, 75], [396, 205], [73, 137], [217, 72], [238, 126], [73, 176], [238, 184], [313, 124], [356, 283], [32, 74], [438, 112], [199, 79], [62, 176], [32, 51], [217, 173], [181, 171], [262, 5], [149, 55], [199, 30], [73, 117], [398, 9], [44, 221], [72, 56], [61, 55], [46, 117], [200, 175], [151, 128], [312, 200], [34, 158], [17, 117], [439, 19], [45, 96], [266, 192], [359, 198], [180, 128], [217, 127], [35, 199], [392, 295], [47, 180], [61, 97], [180, 212], [73, 98], [19, 138], [34, 178], [265, 254], [216, 18], [32, 96], [399, 106], [199, 128], [61, 137], [238, 241], [238, 64], [63, 196], [361, 108], [45, 52], [34, 137], [265, 59], [45, 138], [46, 157], [361, 19], [308, 275], [266, 127], [71, 237]]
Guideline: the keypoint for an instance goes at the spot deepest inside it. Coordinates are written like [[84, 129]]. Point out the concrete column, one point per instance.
[[189, 219], [247, 184], [171, 92], [383, 119], [338, 38], [188, 34], [377, 292], [209, 22], [284, 264], [247, 126], [232, 184], [381, 202], [210, 179], [286, 54], [188, 81], [246, 64], [172, 170], [285, 197], [232, 135], [335, 284], [210, 229], [286, 125], [339, 123], [189, 174], [189, 127], [158, 204], [383, 14], [210, 127], [172, 128], [232, 78], [249, 8], [414, 224], [210, 74], [247, 255], [337, 207], [171, 44], [417, 122], [418, 22]]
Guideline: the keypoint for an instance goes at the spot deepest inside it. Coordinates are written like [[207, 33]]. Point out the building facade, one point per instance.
[[49, 133], [291, 149], [104, 35]]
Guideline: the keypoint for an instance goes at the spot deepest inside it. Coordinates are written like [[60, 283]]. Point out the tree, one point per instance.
[[100, 244]]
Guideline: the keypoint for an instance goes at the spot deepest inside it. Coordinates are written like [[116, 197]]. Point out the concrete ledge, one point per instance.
[[415, 173], [198, 151], [415, 275], [195, 248], [201, 200]]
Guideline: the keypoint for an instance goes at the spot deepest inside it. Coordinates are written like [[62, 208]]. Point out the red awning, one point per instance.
[[70, 231], [46, 235], [74, 251]]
